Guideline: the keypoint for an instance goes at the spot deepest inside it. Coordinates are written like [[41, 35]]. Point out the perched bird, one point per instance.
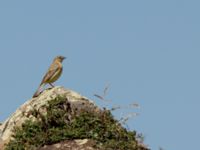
[[53, 73]]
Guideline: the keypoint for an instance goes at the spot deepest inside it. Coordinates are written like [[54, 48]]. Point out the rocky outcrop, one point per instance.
[[76, 101], [61, 119]]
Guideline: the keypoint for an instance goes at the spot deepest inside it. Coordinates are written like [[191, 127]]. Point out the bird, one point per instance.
[[53, 73]]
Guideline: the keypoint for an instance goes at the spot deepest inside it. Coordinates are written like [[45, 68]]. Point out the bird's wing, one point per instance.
[[51, 72]]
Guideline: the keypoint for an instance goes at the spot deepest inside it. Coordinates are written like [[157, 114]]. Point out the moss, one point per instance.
[[56, 126]]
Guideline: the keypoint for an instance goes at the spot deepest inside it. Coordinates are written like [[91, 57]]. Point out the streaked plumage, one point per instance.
[[53, 73]]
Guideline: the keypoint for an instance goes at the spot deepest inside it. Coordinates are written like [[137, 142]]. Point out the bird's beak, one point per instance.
[[64, 58]]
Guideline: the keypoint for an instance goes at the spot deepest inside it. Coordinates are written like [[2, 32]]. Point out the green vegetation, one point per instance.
[[61, 123]]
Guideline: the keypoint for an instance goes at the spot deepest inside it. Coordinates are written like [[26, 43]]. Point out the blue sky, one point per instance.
[[147, 50]]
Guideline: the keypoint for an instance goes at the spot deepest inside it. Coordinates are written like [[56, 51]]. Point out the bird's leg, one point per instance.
[[51, 85]]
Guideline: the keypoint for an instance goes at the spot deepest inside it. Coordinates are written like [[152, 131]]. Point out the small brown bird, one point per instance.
[[53, 73]]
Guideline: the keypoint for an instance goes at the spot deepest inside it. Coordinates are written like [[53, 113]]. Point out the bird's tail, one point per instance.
[[37, 93]]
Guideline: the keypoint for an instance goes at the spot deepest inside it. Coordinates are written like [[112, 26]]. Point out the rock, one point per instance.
[[81, 144], [61, 119], [23, 113]]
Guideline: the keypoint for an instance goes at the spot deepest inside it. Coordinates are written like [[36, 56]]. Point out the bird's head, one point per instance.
[[59, 58]]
